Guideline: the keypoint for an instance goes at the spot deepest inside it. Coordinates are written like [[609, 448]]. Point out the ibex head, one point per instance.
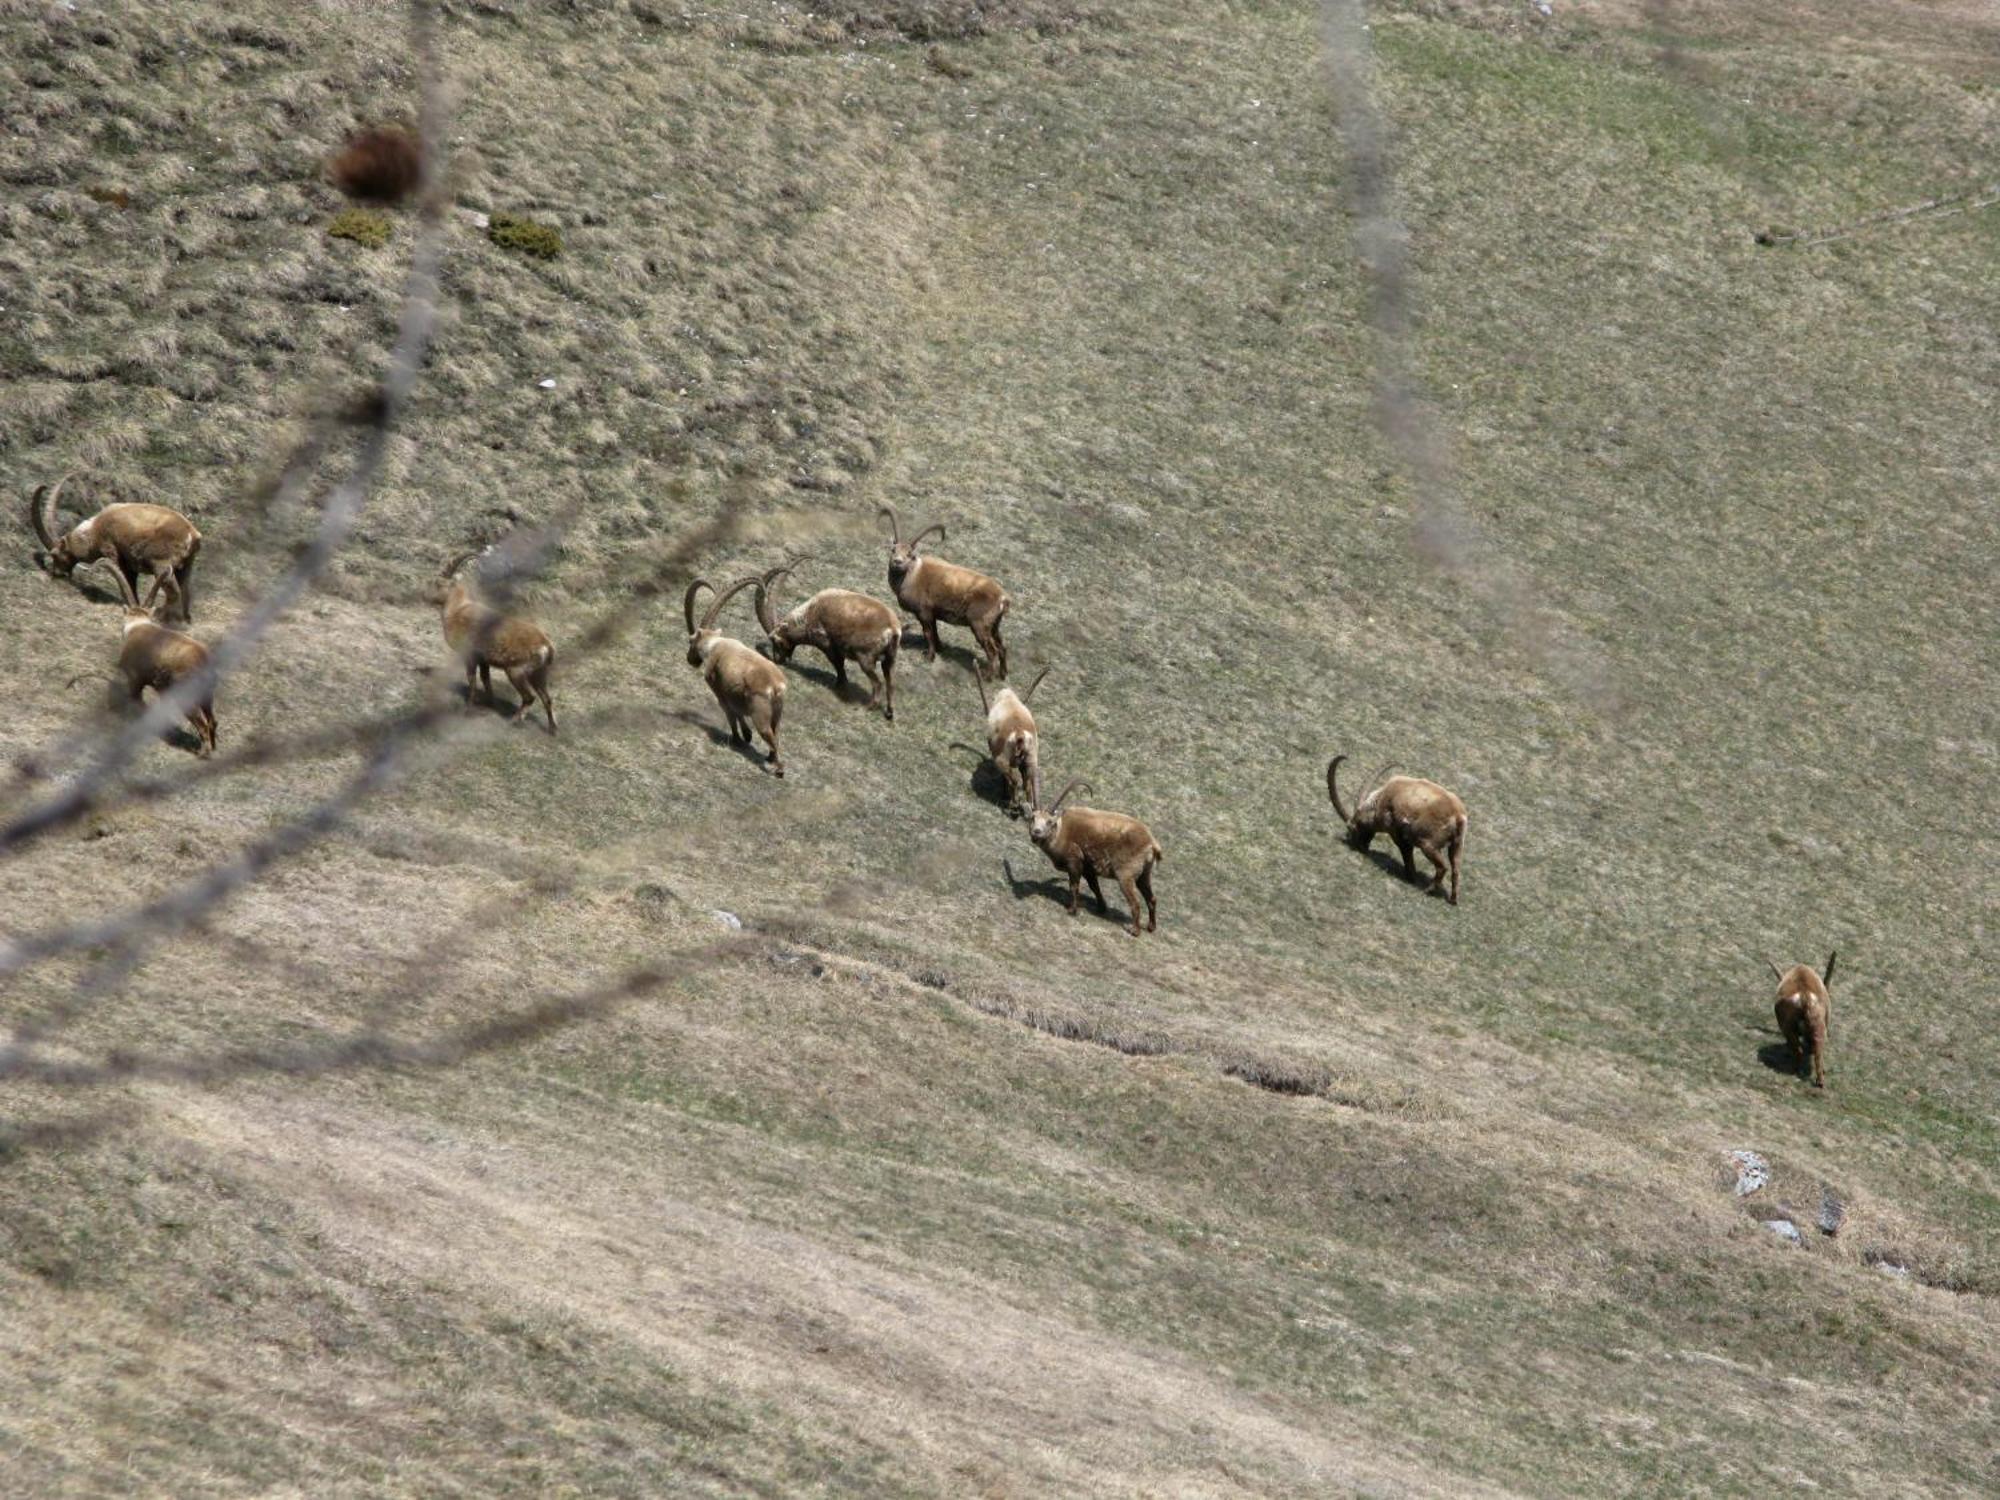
[[902, 554], [779, 641], [1046, 819], [702, 637], [448, 581], [1365, 821]]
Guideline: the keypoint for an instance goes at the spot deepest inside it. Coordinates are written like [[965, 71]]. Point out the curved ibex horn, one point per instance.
[[1033, 685], [1063, 796], [458, 562], [715, 608], [979, 677], [687, 600], [937, 526], [42, 511], [895, 525], [124, 586], [1333, 786], [1826, 974], [1777, 972], [766, 615]]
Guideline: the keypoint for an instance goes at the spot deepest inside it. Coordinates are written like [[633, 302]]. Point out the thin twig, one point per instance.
[[1936, 208]]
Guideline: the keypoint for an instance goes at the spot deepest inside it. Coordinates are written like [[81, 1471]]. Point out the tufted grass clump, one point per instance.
[[512, 232], [365, 227]]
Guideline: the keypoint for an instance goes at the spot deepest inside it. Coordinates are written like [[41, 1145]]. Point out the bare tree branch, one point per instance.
[[1442, 532]]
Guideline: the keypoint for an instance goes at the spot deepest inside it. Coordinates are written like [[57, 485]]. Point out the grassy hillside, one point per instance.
[[919, 1186]]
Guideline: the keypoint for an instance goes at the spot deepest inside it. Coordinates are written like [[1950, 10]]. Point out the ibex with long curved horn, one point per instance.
[[1416, 814], [750, 688], [840, 624], [933, 590], [132, 537], [1085, 844], [1805, 1009], [1012, 740], [484, 639], [151, 655]]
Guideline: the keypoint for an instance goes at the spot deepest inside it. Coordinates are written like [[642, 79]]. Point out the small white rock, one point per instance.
[[547, 385], [1785, 1230], [1752, 1172], [728, 919]]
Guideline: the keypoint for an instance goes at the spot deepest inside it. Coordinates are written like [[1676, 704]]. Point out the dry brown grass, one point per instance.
[[921, 1187]]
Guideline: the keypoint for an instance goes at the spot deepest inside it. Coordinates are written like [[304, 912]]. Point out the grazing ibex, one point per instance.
[[933, 590], [151, 655], [133, 538], [484, 638], [1012, 741], [1416, 814], [1805, 1006], [1084, 844], [750, 688], [840, 624]]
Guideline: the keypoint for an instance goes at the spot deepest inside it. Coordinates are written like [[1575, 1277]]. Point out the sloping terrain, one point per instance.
[[915, 1185]]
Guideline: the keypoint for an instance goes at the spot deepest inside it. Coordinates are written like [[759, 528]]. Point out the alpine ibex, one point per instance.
[[1084, 844], [840, 624], [750, 688], [1415, 813], [151, 655], [484, 638], [1012, 741], [133, 538], [933, 590], [1805, 1007]]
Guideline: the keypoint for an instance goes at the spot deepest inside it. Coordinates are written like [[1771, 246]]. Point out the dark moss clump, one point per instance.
[[511, 232], [361, 226]]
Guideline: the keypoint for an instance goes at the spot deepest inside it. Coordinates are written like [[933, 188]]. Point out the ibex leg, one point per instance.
[[1131, 890], [1103, 908]]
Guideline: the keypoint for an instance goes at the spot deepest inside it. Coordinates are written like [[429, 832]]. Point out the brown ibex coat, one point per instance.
[[132, 537], [484, 638], [1085, 844], [842, 626], [933, 590], [150, 655], [1013, 740], [1416, 814], [749, 687], [1805, 1008]]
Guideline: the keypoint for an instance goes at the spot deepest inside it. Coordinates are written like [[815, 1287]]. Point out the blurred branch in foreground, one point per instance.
[[1443, 532]]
